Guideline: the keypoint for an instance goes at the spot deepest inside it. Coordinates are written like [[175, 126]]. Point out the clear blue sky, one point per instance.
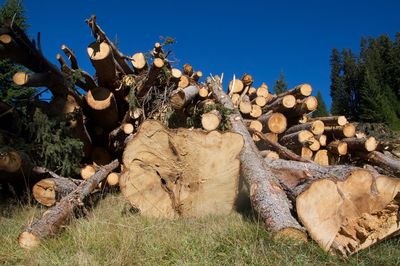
[[261, 38]]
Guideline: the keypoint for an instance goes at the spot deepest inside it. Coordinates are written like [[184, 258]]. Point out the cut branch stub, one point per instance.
[[190, 173]]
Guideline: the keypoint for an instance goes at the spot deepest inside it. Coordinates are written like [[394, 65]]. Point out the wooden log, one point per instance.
[[101, 57], [273, 122], [304, 106], [71, 56], [55, 218], [313, 144], [300, 91], [390, 164], [254, 124], [316, 127], [50, 190], [296, 139], [101, 36], [322, 139], [188, 70], [256, 111], [183, 82], [260, 101], [345, 209], [332, 120], [235, 99], [361, 144], [203, 92], [16, 169], [245, 106], [151, 78], [87, 171], [182, 97], [113, 179], [262, 91], [321, 157], [236, 86], [169, 181], [103, 107], [274, 211], [306, 153], [197, 75], [247, 80], [139, 62], [339, 132], [338, 147], [281, 105], [211, 120]]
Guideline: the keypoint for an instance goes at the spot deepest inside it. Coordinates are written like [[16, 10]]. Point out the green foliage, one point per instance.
[[321, 109], [52, 145], [367, 88], [9, 92], [280, 85]]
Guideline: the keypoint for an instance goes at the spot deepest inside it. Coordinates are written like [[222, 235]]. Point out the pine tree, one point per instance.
[[12, 10], [340, 97], [321, 109], [280, 85]]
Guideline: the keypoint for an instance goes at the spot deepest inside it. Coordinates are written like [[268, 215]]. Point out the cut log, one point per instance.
[[55, 218], [102, 59], [313, 144], [203, 92], [182, 97], [87, 171], [337, 147], [169, 181], [104, 110], [245, 105], [361, 144], [281, 105], [50, 190], [316, 127], [300, 91], [183, 82], [306, 153], [304, 106], [188, 70], [113, 179], [322, 140], [332, 120], [267, 196], [255, 125], [339, 132], [344, 209], [139, 62], [247, 80], [262, 91], [197, 75], [211, 120], [260, 101], [296, 139], [256, 111], [151, 78], [15, 168], [235, 99], [273, 122], [236, 86], [321, 157]]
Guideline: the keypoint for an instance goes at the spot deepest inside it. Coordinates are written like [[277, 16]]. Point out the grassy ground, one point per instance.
[[114, 236]]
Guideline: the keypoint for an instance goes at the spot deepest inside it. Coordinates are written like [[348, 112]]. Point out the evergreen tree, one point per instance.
[[321, 109], [280, 85], [12, 10], [340, 98]]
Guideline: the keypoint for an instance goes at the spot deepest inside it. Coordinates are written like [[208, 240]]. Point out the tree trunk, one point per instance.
[[173, 173], [267, 196], [55, 218], [316, 127], [273, 122], [345, 209], [182, 97], [388, 163]]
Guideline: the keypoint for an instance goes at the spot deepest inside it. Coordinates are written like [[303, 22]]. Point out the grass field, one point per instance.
[[111, 235]]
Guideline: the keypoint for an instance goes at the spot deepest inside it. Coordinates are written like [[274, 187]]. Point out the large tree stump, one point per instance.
[[189, 173], [344, 208]]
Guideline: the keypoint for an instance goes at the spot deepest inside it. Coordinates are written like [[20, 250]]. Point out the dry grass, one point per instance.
[[113, 236]]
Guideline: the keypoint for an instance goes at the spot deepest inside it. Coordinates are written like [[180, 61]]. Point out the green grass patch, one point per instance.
[[111, 235]]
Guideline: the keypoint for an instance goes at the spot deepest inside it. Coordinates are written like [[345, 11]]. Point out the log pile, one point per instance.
[[176, 147]]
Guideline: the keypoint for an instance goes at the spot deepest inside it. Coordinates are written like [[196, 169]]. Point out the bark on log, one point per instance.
[[338, 147], [267, 196], [168, 181], [296, 139], [182, 97], [361, 144], [390, 164], [102, 59], [345, 209], [55, 218], [139, 62], [273, 122], [300, 91], [316, 127], [332, 120], [151, 78], [103, 107], [281, 105], [339, 132]]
